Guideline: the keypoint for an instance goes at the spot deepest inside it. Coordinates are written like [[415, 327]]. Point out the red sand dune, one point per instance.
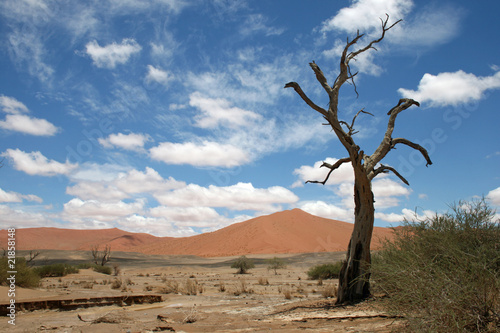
[[292, 231]]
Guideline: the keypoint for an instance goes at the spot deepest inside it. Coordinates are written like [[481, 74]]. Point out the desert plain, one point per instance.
[[196, 293]]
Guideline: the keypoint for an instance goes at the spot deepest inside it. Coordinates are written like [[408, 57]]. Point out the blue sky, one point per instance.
[[170, 117]]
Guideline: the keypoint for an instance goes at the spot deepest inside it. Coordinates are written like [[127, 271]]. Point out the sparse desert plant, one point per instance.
[[170, 287], [287, 292], [444, 272], [329, 290], [275, 264], [116, 284], [222, 286], [325, 271], [191, 316], [263, 281], [25, 277], [116, 269], [243, 264], [191, 287]]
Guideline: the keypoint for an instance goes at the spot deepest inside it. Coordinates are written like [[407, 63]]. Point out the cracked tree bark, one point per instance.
[[354, 281]]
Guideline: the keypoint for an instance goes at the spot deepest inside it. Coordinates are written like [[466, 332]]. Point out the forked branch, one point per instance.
[[332, 167]]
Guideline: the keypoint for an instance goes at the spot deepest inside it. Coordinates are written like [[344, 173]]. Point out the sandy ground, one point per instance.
[[199, 295]]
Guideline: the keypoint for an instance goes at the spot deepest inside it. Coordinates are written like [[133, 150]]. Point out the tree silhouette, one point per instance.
[[354, 282]]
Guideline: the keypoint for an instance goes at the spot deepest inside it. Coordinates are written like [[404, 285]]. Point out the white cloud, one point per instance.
[[21, 219], [114, 184], [132, 141], [158, 75], [343, 174], [364, 15], [90, 171], [218, 111], [88, 190], [12, 105], [17, 197], [28, 125], [321, 208], [102, 211], [19, 122], [205, 153], [112, 54], [452, 88], [153, 225], [241, 196], [35, 163], [188, 216], [493, 197]]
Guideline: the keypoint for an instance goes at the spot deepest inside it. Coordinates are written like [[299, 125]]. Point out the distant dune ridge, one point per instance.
[[291, 231]]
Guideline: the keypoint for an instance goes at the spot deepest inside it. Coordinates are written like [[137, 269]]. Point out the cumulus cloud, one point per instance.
[[364, 15], [35, 163], [122, 185], [215, 112], [321, 208], [28, 125], [159, 76], [103, 211], [493, 197], [157, 226], [20, 218], [17, 121], [202, 154], [17, 197], [241, 196], [132, 141], [188, 216], [452, 88], [112, 54]]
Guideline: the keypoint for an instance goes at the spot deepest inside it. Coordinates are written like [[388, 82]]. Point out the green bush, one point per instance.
[[98, 268], [102, 269], [243, 264], [443, 273], [325, 271], [55, 270], [26, 277]]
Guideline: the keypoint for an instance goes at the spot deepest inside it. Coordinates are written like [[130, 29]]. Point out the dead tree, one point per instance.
[[100, 257], [32, 256], [354, 277]]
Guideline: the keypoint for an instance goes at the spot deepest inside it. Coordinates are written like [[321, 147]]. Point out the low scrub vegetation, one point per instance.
[[26, 277], [442, 274], [55, 270], [98, 268], [325, 271]]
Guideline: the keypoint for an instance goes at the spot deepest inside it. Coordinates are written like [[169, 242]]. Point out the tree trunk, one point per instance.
[[354, 277]]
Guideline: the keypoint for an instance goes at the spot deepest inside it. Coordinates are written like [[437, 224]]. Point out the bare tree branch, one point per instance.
[[413, 145], [385, 169], [32, 256], [304, 97], [331, 167]]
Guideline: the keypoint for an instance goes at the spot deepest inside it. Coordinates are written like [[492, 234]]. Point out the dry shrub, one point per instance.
[[263, 281], [329, 290], [443, 273], [170, 287], [116, 269], [222, 286], [287, 292], [191, 287], [116, 284]]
